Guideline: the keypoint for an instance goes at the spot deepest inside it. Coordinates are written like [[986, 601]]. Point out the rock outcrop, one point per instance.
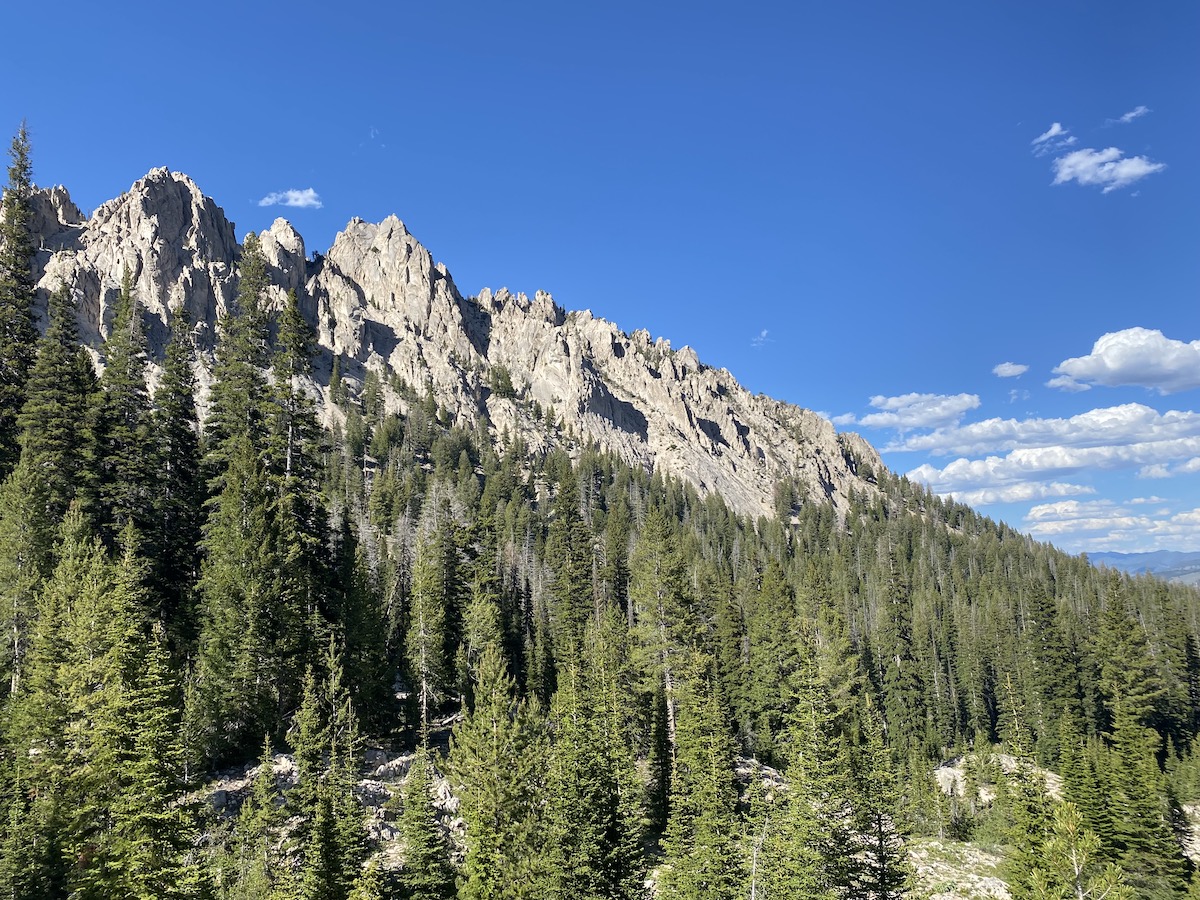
[[379, 301]]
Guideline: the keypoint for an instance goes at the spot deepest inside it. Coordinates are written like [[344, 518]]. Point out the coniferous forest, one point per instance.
[[627, 689]]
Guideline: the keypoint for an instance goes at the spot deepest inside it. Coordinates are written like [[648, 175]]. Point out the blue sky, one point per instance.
[[846, 205]]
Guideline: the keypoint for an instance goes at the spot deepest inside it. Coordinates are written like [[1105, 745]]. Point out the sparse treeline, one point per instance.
[[649, 685]]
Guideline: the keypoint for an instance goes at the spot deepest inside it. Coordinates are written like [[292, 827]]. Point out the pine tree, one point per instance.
[[255, 871], [425, 643], [56, 401], [427, 873], [17, 333], [880, 869], [239, 383], [117, 482], [1072, 867], [592, 817], [1142, 833], [494, 770], [174, 538], [1031, 812], [701, 858], [153, 830], [806, 846], [26, 560], [662, 620]]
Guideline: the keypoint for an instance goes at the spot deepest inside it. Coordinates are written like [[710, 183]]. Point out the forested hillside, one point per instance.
[[648, 691]]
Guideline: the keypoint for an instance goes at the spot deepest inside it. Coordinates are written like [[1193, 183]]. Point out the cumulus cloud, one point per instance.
[[305, 199], [1141, 357], [1158, 470], [1018, 493], [761, 338], [1108, 168], [1009, 370], [1105, 525], [1129, 423], [1050, 463], [918, 410], [1067, 383], [1052, 140]]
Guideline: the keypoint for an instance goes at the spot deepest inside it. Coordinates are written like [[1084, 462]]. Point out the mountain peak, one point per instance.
[[528, 368]]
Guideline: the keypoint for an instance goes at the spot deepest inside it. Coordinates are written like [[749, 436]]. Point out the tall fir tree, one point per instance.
[[56, 400], [494, 769], [701, 855], [17, 332], [174, 537], [427, 873], [117, 483]]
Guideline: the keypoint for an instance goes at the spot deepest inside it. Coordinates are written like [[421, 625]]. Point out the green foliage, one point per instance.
[[17, 333], [494, 769], [1073, 866], [701, 856], [427, 873], [118, 483]]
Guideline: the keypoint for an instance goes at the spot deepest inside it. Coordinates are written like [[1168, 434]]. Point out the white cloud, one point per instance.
[[1049, 463], [1104, 525], [1109, 168], [1052, 140], [1189, 467], [1135, 113], [1014, 395], [1140, 357], [1142, 501], [305, 199], [844, 419], [1009, 370], [761, 338], [919, 410], [1023, 492], [1127, 424], [1067, 383], [1157, 470], [1049, 134]]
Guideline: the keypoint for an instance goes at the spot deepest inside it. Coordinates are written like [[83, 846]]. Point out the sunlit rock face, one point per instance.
[[378, 301]]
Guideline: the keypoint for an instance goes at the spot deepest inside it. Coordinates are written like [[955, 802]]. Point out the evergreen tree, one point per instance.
[[805, 851], [880, 869], [427, 873], [173, 540], [1142, 832], [239, 384], [494, 770], [701, 859], [592, 818], [56, 400], [26, 559], [425, 643], [250, 639], [17, 333], [117, 481], [1072, 867]]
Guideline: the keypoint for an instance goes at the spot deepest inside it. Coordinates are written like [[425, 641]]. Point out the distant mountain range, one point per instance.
[[1172, 565]]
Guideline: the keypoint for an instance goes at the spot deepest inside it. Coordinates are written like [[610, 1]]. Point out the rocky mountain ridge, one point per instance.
[[378, 301]]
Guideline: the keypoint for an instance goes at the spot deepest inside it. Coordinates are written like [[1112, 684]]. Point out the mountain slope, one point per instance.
[[378, 301]]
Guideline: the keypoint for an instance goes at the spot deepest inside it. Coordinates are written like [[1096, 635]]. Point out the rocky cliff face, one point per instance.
[[379, 301]]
